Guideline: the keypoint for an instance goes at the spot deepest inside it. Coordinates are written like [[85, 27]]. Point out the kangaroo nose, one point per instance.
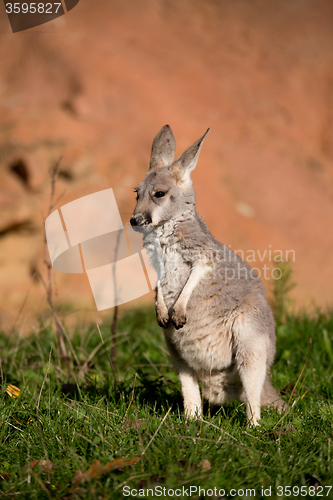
[[136, 220]]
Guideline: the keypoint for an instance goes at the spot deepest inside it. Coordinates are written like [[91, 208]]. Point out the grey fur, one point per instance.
[[188, 160], [217, 323], [163, 149]]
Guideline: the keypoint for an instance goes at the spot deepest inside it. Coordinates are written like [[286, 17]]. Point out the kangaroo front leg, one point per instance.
[[191, 393], [189, 383], [179, 309], [162, 314]]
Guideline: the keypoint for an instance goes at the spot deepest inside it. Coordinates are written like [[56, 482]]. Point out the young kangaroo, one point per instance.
[[212, 306]]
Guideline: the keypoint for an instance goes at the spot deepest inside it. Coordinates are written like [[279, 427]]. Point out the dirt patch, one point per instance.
[[96, 85]]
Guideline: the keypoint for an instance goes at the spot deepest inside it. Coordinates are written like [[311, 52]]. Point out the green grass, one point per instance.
[[71, 422]]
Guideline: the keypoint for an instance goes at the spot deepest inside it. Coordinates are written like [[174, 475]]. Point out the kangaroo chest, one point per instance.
[[176, 272], [205, 340]]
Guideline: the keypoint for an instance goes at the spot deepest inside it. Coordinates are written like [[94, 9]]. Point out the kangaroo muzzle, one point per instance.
[[137, 220]]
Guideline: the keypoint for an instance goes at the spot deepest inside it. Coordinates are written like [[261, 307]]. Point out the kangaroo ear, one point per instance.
[[163, 149], [188, 160]]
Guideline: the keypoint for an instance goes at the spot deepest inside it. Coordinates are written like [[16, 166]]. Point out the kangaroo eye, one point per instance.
[[159, 194]]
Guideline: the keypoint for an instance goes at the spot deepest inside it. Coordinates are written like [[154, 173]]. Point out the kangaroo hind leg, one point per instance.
[[269, 396], [251, 360]]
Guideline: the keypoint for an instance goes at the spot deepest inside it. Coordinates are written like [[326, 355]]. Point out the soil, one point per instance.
[[95, 86]]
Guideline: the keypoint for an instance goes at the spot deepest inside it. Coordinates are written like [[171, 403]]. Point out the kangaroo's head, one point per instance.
[[167, 190]]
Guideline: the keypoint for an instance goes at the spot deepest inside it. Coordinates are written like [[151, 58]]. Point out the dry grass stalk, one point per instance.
[[54, 174]]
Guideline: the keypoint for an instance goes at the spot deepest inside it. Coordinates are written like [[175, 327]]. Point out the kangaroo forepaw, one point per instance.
[[163, 321], [163, 318], [178, 318]]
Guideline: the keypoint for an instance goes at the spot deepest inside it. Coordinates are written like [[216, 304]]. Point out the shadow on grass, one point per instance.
[[154, 392]]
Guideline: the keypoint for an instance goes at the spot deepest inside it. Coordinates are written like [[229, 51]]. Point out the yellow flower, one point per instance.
[[13, 391]]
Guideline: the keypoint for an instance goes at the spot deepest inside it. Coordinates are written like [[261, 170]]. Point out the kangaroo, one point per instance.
[[218, 326]]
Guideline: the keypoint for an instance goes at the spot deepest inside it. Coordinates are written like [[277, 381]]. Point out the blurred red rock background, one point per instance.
[[95, 85]]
